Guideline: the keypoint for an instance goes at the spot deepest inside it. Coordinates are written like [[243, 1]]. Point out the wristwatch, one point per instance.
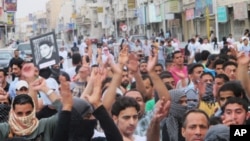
[[49, 92]]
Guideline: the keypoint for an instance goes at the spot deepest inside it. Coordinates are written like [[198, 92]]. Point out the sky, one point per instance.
[[25, 7]]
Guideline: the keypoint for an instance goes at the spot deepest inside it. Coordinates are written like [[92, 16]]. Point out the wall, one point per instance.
[[228, 2], [55, 7]]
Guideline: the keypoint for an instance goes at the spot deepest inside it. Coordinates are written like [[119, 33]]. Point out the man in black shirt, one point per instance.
[[74, 49], [15, 58]]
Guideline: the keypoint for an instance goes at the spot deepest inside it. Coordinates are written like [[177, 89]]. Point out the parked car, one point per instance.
[[5, 57], [25, 48]]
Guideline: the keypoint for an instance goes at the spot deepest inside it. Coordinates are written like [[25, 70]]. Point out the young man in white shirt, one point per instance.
[[206, 46], [125, 113], [245, 46]]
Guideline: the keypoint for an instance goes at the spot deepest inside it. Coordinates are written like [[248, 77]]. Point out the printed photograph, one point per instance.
[[44, 50]]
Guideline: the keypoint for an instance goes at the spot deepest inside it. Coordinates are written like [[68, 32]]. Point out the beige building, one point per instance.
[[24, 28], [31, 25], [53, 8], [226, 16]]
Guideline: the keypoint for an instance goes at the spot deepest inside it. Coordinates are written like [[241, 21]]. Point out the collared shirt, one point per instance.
[[78, 89], [12, 88], [143, 123]]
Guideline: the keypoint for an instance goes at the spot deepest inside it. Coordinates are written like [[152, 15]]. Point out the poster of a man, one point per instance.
[[45, 50]]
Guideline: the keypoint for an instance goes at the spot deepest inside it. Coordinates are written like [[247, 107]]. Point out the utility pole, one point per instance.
[[216, 19], [207, 19]]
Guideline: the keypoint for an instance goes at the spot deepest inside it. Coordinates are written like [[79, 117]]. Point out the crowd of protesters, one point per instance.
[[146, 90]]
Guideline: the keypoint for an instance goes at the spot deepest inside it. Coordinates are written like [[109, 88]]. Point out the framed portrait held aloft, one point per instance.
[[45, 50]]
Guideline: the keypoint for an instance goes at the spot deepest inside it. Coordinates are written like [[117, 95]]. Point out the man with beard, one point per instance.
[[143, 67], [14, 59], [126, 81], [16, 70]]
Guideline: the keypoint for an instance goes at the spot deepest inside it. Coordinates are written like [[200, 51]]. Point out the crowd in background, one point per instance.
[[137, 90]]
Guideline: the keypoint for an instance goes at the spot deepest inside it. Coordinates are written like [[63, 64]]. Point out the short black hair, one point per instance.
[[158, 64], [229, 63], [122, 103], [235, 87], [204, 55], [197, 57], [184, 123], [218, 62], [106, 80], [4, 72], [19, 63], [207, 73], [65, 74], [45, 72], [166, 74], [145, 77], [223, 76], [76, 59], [135, 90], [176, 52], [235, 100], [22, 99], [46, 42], [191, 67]]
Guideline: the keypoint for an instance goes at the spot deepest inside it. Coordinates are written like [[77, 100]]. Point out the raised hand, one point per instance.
[[228, 121], [39, 85], [2, 91], [152, 60], [133, 64], [123, 56], [98, 75], [67, 98], [28, 70], [233, 50], [242, 58], [3, 94], [161, 109]]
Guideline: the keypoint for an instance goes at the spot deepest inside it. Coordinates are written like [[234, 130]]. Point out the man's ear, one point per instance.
[[115, 118], [183, 132], [248, 115]]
